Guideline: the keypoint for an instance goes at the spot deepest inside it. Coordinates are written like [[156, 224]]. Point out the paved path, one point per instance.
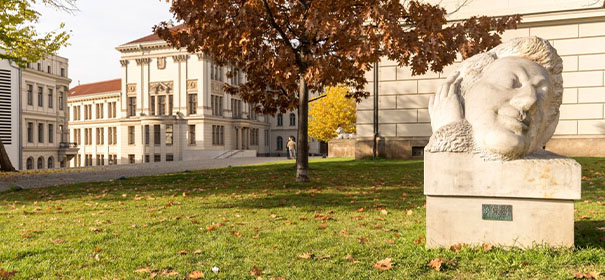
[[45, 178]]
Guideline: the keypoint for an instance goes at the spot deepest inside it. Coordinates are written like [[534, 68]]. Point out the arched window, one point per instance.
[[51, 163], [40, 163], [280, 143], [292, 119], [30, 163], [280, 120]]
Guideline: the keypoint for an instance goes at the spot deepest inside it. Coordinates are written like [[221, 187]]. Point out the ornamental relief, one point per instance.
[[217, 87], [161, 87], [161, 63], [131, 89], [192, 85]]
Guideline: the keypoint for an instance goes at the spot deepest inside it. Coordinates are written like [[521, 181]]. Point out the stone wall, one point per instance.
[[341, 148], [578, 36]]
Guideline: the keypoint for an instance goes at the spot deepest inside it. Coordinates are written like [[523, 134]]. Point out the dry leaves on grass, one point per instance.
[[457, 247], [349, 257], [419, 240], [57, 241], [197, 252], [256, 271], [236, 234], [7, 274], [195, 275], [487, 247], [363, 240], [183, 252], [307, 256], [213, 226], [409, 212], [385, 264], [163, 273], [323, 226], [439, 263], [589, 275], [344, 232]]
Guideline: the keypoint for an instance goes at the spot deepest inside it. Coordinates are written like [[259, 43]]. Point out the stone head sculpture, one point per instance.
[[500, 104]]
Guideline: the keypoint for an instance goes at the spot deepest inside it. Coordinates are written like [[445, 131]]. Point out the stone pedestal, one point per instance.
[[519, 203]]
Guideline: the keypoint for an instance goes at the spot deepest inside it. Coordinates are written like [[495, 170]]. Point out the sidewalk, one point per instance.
[[53, 177]]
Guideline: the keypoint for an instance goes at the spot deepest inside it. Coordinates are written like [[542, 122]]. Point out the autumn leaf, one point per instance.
[[589, 275], [349, 257], [323, 226], [183, 252], [213, 226], [236, 234], [344, 232], [409, 212], [486, 247], [57, 241], [256, 271], [457, 247], [363, 240], [197, 252], [361, 209], [419, 240], [306, 256], [195, 275], [390, 241], [6, 274], [143, 270], [439, 263], [385, 264], [384, 212]]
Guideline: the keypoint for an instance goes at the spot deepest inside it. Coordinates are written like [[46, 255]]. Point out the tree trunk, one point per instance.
[[5, 161], [302, 145]]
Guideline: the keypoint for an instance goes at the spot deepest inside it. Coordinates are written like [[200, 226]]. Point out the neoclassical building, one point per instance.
[[33, 104], [576, 28], [169, 105]]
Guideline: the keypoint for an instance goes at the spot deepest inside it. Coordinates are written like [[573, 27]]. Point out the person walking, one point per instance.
[[291, 147]]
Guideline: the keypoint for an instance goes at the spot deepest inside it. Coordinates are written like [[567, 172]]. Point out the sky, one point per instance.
[[97, 29]]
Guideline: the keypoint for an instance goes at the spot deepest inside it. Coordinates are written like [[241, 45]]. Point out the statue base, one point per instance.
[[519, 203]]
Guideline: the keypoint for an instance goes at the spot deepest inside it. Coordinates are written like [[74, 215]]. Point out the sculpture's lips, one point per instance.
[[514, 124]]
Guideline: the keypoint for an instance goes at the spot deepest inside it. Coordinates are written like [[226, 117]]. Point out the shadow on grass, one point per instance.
[[587, 234]]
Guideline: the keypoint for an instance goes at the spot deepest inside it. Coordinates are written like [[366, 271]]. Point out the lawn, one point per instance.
[[254, 222]]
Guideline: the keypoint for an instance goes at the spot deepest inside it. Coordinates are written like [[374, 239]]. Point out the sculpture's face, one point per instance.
[[506, 106]]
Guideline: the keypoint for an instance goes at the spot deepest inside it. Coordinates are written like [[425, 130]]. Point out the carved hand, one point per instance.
[[445, 107]]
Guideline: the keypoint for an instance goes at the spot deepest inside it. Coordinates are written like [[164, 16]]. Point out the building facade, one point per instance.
[[576, 28], [37, 109]]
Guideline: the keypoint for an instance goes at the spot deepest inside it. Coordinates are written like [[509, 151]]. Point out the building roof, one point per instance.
[[98, 87], [153, 37]]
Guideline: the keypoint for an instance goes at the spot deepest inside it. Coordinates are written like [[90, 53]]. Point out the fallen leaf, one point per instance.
[[195, 275], [306, 256], [363, 240], [324, 226], [385, 264], [197, 252], [213, 226], [143, 270], [183, 252], [384, 212], [344, 232], [457, 247], [390, 241], [236, 234], [409, 212], [94, 229], [57, 241], [6, 274], [349, 257], [419, 240], [256, 271], [438, 263], [380, 218], [487, 247], [361, 209], [589, 275]]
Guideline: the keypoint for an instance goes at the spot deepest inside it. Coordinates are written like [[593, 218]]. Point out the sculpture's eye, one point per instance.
[[515, 83]]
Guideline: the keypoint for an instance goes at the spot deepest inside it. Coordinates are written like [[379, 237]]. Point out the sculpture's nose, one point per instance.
[[525, 98]]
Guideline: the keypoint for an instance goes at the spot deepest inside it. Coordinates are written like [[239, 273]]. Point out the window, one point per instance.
[[61, 133], [109, 136], [30, 132], [132, 106], [252, 112], [292, 119], [236, 108], [280, 143], [30, 163], [266, 137], [192, 134], [170, 105], [192, 104], [112, 133], [50, 98], [86, 136], [51, 133], [39, 66], [152, 106], [62, 72], [48, 69], [30, 97], [100, 135], [254, 136], [162, 105], [40, 98], [157, 158], [40, 163], [61, 100], [217, 105], [146, 135], [99, 108], [131, 159], [156, 134], [146, 158], [280, 120], [113, 110], [169, 134], [169, 157], [40, 133], [88, 160], [218, 135], [235, 80], [88, 112], [75, 115], [77, 136], [131, 135], [216, 72], [100, 159], [113, 159]]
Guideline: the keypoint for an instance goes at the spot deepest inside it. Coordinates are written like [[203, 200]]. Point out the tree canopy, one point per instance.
[[330, 112], [288, 47], [19, 40]]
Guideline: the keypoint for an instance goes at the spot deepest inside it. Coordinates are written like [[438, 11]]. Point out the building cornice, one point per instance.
[[94, 96], [46, 75]]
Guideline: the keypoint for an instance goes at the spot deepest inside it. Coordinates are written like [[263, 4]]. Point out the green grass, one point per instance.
[[108, 230]]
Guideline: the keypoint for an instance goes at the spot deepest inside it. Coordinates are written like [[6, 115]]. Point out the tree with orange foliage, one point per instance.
[[288, 47]]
